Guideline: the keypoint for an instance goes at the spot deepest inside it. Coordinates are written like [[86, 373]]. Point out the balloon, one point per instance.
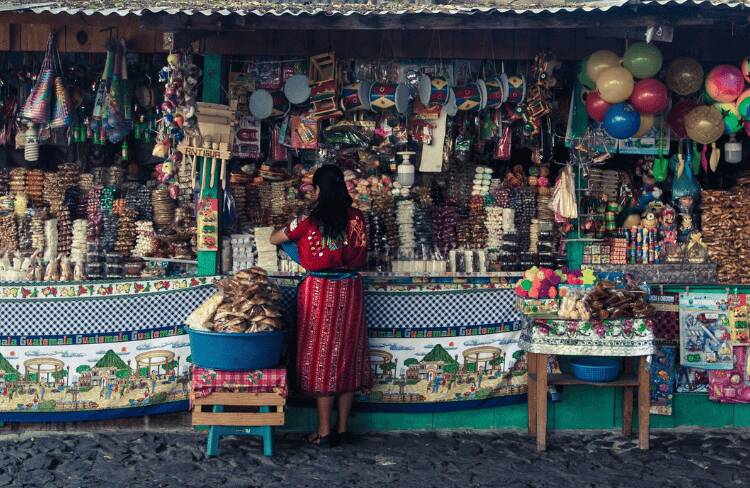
[[643, 60], [599, 61], [615, 84], [596, 107], [743, 104], [583, 77], [684, 76], [704, 124], [724, 83], [647, 123], [732, 122], [622, 121], [745, 68], [649, 96], [676, 117]]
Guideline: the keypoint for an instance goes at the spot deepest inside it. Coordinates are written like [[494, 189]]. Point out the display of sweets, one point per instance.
[[243, 251], [482, 181], [405, 221], [493, 223]]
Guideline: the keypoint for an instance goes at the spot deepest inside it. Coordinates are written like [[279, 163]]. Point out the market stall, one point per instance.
[[492, 184]]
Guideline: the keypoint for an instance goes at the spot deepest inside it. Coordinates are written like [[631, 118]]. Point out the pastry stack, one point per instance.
[[163, 208]]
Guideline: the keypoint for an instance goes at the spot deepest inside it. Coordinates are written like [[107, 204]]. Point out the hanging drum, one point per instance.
[[516, 89], [261, 104], [497, 90], [468, 98], [433, 90], [389, 96], [297, 89], [356, 96], [281, 105]]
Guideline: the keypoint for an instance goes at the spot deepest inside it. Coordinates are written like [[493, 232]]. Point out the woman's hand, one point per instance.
[[279, 237]]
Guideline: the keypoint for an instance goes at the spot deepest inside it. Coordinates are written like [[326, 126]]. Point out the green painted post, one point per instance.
[[208, 260]]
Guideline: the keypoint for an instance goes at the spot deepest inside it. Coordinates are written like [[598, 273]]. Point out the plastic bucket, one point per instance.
[[235, 352]]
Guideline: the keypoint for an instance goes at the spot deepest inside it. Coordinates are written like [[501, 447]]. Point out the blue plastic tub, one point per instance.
[[235, 352], [595, 369]]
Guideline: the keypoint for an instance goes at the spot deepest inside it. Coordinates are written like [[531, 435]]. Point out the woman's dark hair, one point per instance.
[[331, 211]]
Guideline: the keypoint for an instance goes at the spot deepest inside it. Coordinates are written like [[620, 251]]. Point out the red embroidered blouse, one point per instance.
[[318, 253]]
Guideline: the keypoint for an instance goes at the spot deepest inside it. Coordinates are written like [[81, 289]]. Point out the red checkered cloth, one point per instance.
[[207, 381]]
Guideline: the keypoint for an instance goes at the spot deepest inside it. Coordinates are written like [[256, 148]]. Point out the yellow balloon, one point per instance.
[[704, 124], [647, 123], [615, 84], [599, 61]]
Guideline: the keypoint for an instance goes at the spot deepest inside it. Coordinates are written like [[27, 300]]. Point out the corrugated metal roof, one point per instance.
[[339, 8]]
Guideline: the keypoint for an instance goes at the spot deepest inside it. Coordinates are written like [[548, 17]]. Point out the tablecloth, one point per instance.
[[621, 337], [208, 381]]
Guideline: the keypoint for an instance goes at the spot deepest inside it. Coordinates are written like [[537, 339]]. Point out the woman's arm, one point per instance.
[[279, 237]]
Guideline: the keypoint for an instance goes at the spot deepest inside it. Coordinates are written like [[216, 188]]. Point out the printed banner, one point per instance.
[[663, 374], [705, 334], [102, 350], [692, 380], [440, 345], [731, 386]]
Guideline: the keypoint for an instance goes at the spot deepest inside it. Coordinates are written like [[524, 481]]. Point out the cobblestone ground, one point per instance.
[[461, 459]]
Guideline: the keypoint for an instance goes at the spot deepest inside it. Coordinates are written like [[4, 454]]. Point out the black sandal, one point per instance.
[[330, 440]]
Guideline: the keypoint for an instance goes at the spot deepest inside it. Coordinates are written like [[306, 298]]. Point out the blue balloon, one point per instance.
[[622, 121]]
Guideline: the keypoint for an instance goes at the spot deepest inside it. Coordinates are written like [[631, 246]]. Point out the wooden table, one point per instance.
[[539, 381], [631, 339]]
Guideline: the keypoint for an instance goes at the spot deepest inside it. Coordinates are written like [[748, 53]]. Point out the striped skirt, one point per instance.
[[331, 336]]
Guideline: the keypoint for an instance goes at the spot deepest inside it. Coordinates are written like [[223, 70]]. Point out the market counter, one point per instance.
[[439, 342], [99, 350]]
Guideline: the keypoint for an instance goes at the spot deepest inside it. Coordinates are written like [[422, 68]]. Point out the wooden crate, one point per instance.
[[273, 417]]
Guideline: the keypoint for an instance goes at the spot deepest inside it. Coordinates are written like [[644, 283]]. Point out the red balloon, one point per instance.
[[676, 117], [649, 96], [596, 107]]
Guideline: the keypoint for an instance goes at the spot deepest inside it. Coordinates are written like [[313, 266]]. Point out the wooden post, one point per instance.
[[532, 376], [208, 261], [541, 401], [627, 400], [644, 402]]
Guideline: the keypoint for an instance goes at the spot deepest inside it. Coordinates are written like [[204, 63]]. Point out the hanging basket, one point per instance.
[[62, 116], [38, 105]]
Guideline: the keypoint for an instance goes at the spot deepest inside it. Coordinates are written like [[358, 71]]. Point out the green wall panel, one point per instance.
[[585, 407], [742, 415], [582, 408], [698, 410]]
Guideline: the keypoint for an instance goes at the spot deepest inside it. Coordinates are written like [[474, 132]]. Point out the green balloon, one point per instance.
[[732, 124], [642, 60], [583, 77], [744, 108]]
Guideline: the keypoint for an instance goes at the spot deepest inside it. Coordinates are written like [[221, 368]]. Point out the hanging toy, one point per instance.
[[714, 159], [31, 146]]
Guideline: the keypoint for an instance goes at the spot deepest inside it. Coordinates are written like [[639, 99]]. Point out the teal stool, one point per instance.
[[220, 423]]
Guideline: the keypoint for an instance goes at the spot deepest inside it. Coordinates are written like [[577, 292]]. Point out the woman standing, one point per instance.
[[332, 361]]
